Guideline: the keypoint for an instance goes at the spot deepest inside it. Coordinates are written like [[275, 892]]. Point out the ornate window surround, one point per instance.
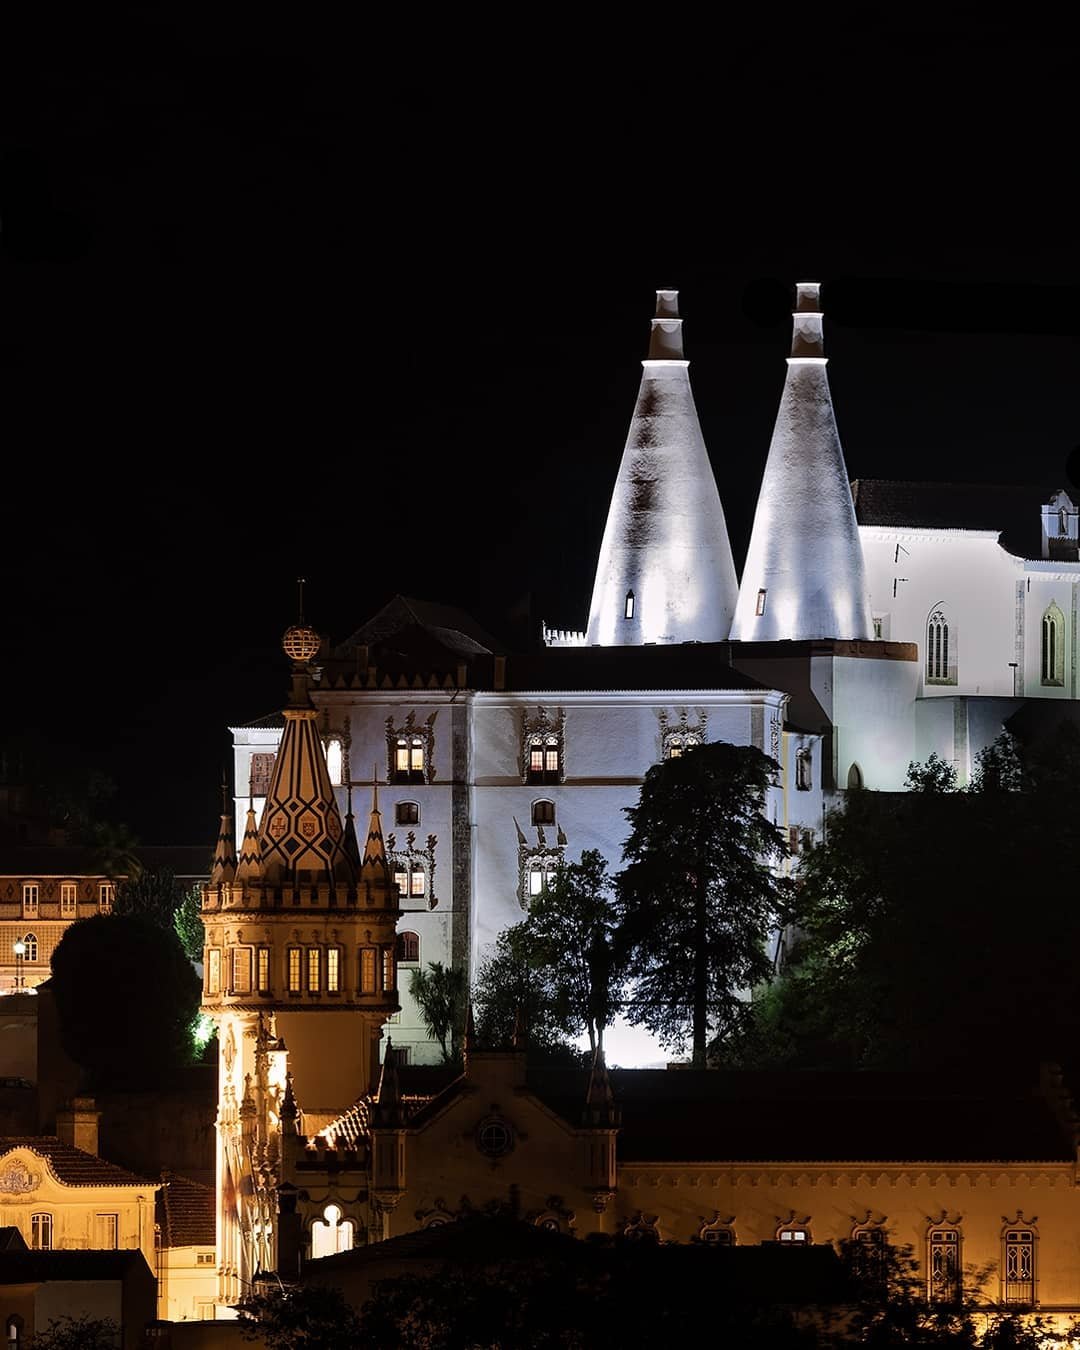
[[424, 734], [717, 1232], [944, 1268], [788, 1232], [411, 860], [1019, 1259], [543, 729], [682, 734], [543, 857]]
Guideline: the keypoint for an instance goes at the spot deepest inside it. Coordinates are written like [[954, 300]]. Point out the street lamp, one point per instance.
[[20, 952]]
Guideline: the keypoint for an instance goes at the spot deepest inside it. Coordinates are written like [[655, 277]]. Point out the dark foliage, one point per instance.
[[126, 996]]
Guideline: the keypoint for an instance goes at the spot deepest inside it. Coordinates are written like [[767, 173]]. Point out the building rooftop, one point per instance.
[[72, 1166], [186, 1212]]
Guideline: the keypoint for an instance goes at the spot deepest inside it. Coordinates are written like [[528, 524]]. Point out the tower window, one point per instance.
[[367, 970], [759, 608], [314, 965], [333, 970], [241, 974], [389, 974], [628, 611], [335, 758], [293, 968], [262, 970], [213, 970]]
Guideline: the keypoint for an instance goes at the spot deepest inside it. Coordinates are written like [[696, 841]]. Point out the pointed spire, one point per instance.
[[804, 576], [600, 1108], [223, 868], [375, 847], [520, 836], [289, 1110], [665, 571], [388, 1107], [351, 844], [249, 864], [300, 830]]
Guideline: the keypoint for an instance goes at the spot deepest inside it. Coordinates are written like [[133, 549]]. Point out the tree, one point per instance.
[[305, 1318], [440, 993], [153, 894], [935, 775], [933, 933], [78, 1333], [126, 996], [511, 991], [188, 925], [114, 849], [699, 894], [569, 932]]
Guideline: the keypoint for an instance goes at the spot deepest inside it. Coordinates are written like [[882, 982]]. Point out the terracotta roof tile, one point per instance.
[[73, 1166], [187, 1211]]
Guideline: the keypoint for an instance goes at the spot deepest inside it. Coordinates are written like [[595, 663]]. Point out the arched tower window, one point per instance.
[[940, 647], [1053, 646], [854, 778], [331, 1234]]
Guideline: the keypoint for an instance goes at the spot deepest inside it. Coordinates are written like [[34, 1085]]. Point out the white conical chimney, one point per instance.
[[665, 572], [804, 574]]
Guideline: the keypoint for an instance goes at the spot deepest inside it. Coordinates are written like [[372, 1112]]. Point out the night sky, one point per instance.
[[300, 296]]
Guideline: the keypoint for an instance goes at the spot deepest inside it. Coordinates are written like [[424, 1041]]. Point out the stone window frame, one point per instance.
[[1052, 647], [540, 816], [717, 1232], [944, 1237], [795, 1232], [681, 735], [414, 861], [404, 947], [550, 857]]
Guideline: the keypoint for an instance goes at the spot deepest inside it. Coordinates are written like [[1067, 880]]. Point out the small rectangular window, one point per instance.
[[41, 1232], [401, 881], [333, 970], [204, 1259], [106, 896], [407, 813], [543, 813], [760, 608], [367, 970], [69, 899], [401, 757], [417, 881], [629, 610], [294, 978], [314, 965], [213, 970], [241, 976], [30, 895], [551, 761], [536, 880], [106, 1229], [536, 759], [389, 975], [262, 970]]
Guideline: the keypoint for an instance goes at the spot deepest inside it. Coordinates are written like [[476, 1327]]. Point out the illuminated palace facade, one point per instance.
[[875, 622]]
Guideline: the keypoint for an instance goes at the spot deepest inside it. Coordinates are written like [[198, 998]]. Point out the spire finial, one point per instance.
[[807, 343], [665, 341], [224, 794], [375, 787], [300, 599]]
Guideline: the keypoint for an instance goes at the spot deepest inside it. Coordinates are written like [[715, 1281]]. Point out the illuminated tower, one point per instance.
[[804, 574], [299, 977], [665, 572]]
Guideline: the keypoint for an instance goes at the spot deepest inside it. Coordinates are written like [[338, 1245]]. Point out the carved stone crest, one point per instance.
[[17, 1179]]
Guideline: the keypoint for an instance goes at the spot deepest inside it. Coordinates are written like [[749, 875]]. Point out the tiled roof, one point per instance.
[[73, 1166], [187, 1210], [28, 1266], [452, 628], [714, 1115], [1012, 508], [70, 860]]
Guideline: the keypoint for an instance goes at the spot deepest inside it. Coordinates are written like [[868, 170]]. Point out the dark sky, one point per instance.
[[297, 295]]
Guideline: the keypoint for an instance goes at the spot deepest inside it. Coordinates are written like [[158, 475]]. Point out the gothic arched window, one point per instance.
[[940, 648], [408, 947], [331, 1234], [30, 943], [335, 760], [1053, 646]]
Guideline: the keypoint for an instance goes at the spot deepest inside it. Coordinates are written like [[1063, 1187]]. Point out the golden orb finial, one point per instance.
[[300, 642]]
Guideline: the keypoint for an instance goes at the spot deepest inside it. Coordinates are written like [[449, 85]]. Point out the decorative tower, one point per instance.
[[300, 975], [804, 574], [665, 572]]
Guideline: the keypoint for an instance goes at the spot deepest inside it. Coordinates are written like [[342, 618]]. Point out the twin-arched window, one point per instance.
[[940, 647], [332, 1233], [1053, 646]]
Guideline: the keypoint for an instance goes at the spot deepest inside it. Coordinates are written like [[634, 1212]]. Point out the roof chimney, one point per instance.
[[77, 1124]]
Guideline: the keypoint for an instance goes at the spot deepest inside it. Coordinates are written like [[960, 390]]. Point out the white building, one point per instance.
[[876, 622]]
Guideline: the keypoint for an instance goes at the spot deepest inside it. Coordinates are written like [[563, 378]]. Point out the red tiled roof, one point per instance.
[[72, 1166], [188, 1212]]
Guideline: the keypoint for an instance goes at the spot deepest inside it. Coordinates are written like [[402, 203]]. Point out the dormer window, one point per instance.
[[628, 612]]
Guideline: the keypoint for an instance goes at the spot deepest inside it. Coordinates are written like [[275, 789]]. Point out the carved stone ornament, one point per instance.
[[546, 857], [414, 859], [643, 1228], [17, 1179], [228, 1051], [717, 1230], [425, 733]]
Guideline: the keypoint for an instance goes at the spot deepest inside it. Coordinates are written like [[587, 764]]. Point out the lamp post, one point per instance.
[[20, 952]]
